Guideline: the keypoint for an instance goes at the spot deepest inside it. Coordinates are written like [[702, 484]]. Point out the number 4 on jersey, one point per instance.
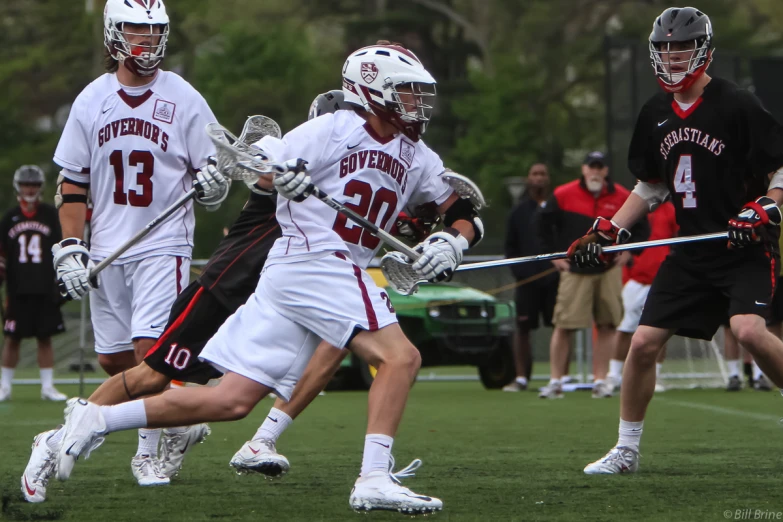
[[683, 183]]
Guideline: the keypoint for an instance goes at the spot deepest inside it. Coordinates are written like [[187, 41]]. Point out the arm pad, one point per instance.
[[653, 193], [464, 209]]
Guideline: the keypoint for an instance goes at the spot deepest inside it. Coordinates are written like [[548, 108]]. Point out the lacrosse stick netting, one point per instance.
[[238, 158]]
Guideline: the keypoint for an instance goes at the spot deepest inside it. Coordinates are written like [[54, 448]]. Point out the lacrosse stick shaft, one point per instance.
[[366, 224], [141, 234], [616, 248]]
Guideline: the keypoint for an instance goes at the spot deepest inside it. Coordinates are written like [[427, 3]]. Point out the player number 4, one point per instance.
[[683, 182]]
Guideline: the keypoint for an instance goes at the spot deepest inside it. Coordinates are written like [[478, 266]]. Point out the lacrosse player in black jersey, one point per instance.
[[718, 153]]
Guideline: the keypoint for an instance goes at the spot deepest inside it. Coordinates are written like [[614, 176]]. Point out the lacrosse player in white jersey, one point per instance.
[[314, 284], [135, 138]]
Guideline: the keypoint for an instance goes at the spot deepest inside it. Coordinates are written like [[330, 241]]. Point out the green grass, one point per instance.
[[491, 456]]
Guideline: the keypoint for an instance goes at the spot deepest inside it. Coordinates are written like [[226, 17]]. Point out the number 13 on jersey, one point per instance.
[[683, 183]]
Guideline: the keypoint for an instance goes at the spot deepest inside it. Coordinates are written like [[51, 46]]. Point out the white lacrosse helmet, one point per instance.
[[141, 60], [373, 78]]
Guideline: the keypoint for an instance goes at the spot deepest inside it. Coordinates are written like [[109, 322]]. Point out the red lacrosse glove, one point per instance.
[[758, 221], [587, 251]]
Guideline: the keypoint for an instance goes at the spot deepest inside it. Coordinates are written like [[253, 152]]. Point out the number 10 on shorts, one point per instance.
[[178, 357]]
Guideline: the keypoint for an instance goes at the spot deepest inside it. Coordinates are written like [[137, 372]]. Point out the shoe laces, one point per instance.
[[45, 470], [270, 445], [148, 465], [623, 454], [407, 471]]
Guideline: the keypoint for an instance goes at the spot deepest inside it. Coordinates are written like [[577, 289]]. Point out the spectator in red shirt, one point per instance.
[[640, 274]]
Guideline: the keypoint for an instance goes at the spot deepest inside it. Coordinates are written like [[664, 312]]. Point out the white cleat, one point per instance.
[[381, 490], [174, 447], [52, 394], [5, 394], [620, 459], [551, 391], [602, 390], [39, 468], [260, 456], [659, 387], [84, 432], [146, 470]]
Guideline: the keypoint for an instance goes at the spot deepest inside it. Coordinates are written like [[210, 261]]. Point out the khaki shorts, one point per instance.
[[584, 299]]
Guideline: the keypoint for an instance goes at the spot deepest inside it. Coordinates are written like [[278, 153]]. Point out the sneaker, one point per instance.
[[260, 456], [175, 445], [735, 384], [39, 468], [614, 381], [551, 391], [602, 390], [514, 386], [146, 470], [52, 394], [762, 384], [620, 459], [382, 490], [659, 387], [84, 430], [5, 394]]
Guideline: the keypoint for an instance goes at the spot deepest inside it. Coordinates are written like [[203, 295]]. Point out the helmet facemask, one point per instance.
[[692, 67], [410, 108], [141, 60]]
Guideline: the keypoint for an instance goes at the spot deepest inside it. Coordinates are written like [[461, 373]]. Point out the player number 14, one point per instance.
[[683, 183]]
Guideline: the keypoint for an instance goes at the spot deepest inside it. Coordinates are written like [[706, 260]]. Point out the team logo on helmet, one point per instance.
[[369, 72]]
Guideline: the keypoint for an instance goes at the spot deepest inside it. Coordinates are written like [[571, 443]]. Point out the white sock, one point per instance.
[[756, 371], [522, 381], [47, 378], [658, 367], [125, 416], [377, 451], [55, 440], [6, 376], [734, 367], [554, 382], [598, 381], [148, 442], [273, 426], [616, 368], [630, 434]]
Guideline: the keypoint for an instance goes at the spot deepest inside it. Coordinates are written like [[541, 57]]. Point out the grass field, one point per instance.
[[490, 456]]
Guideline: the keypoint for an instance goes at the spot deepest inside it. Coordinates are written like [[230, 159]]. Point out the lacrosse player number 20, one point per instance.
[[368, 206]]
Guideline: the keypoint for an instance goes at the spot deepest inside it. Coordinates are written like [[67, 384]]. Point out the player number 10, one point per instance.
[[683, 183]]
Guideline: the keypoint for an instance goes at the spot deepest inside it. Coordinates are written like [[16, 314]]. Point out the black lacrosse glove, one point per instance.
[[757, 222], [587, 251]]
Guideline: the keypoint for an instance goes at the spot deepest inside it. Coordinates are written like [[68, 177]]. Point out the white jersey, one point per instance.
[[137, 149], [376, 177]]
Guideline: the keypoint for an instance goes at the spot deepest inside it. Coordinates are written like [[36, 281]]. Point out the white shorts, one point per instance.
[[634, 297], [133, 300], [271, 338]]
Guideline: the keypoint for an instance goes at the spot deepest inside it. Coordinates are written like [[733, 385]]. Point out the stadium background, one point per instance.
[[518, 82]]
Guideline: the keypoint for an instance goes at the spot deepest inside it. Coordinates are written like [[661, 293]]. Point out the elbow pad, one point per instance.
[[653, 193], [464, 209]]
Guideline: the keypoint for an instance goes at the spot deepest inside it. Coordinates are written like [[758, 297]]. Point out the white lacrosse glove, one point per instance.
[[295, 183], [441, 254], [212, 186], [73, 265]]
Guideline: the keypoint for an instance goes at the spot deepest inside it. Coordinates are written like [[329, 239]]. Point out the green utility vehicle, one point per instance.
[[450, 324]]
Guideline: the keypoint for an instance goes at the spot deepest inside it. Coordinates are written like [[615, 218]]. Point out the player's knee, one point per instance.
[[748, 331], [237, 410], [112, 364], [143, 380], [644, 347]]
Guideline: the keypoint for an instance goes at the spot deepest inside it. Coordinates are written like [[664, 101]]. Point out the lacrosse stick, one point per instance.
[[239, 158], [404, 280]]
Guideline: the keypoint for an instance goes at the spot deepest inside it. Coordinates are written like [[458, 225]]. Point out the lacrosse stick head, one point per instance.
[[256, 127], [465, 188], [396, 267], [236, 159]]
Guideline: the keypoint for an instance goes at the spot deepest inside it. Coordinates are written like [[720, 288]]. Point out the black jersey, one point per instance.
[[26, 244], [714, 157], [233, 270]]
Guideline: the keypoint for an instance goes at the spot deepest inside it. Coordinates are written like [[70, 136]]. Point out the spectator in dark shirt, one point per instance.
[[534, 299]]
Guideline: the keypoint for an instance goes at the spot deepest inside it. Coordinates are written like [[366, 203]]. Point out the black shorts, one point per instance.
[[696, 301], [536, 300], [32, 316], [195, 317], [776, 310]]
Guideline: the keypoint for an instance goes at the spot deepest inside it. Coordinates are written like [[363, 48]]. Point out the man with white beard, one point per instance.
[[586, 296]]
